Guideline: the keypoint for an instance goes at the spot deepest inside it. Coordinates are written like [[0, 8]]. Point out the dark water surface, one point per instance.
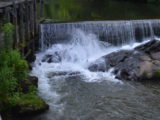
[[103, 101], [81, 10]]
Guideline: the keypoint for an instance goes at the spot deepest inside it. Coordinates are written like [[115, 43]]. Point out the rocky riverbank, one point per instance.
[[141, 63], [28, 103]]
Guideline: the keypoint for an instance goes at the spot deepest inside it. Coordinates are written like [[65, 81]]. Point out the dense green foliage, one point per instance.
[[13, 73], [82, 10], [8, 35]]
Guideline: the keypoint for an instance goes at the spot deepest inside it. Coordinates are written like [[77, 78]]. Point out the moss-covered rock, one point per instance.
[[30, 104]]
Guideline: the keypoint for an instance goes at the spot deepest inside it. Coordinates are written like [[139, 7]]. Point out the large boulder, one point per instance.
[[139, 64]]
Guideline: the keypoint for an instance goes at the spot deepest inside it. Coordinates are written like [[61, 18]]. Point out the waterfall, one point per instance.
[[74, 46], [113, 32], [66, 52]]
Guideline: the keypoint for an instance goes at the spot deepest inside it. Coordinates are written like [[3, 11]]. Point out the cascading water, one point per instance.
[[114, 32], [71, 90]]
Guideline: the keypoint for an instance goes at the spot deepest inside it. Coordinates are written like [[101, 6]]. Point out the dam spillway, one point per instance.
[[113, 32]]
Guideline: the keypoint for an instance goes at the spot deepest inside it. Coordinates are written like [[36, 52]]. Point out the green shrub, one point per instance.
[[8, 86], [13, 71], [18, 64], [14, 99], [8, 83], [8, 30], [32, 90], [157, 73], [13, 60]]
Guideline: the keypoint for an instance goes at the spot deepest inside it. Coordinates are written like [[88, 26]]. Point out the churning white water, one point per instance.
[[75, 56], [69, 60]]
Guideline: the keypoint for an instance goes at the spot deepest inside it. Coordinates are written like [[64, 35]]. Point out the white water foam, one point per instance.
[[76, 56]]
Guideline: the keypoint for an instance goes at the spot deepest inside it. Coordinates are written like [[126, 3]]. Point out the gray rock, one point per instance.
[[138, 64], [55, 58], [53, 74], [150, 47]]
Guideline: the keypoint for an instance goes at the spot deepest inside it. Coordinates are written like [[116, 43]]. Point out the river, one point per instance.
[[67, 49], [75, 93]]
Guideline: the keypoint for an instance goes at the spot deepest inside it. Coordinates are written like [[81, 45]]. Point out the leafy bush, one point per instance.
[[8, 30], [13, 60], [13, 74], [157, 73], [18, 64], [13, 71], [8, 83], [32, 90], [14, 99]]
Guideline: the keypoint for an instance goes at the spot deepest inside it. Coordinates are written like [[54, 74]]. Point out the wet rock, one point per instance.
[[138, 64], [47, 58], [31, 81], [106, 62], [31, 57], [46, 21], [29, 105], [150, 47], [52, 74], [55, 58], [99, 65]]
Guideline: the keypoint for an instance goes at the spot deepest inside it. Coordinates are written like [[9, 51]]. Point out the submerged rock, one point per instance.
[[53, 74], [55, 58], [139, 64]]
